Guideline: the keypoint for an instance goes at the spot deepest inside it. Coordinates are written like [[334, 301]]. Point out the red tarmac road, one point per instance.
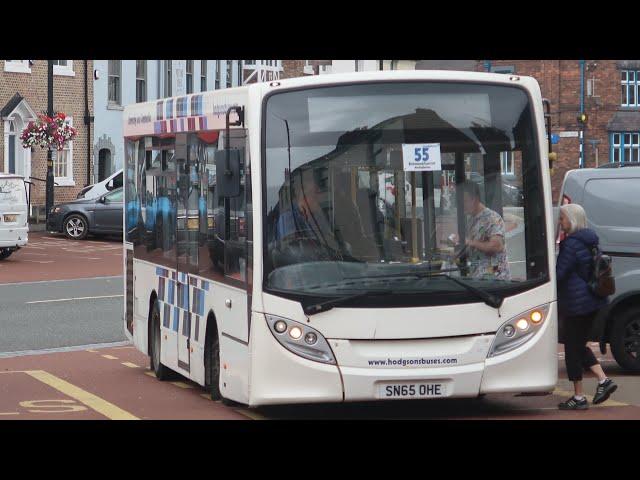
[[54, 257], [115, 383]]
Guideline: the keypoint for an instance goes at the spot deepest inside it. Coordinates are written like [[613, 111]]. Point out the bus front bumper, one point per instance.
[[281, 377], [14, 237]]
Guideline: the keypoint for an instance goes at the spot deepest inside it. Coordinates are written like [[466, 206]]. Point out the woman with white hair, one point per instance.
[[578, 305]]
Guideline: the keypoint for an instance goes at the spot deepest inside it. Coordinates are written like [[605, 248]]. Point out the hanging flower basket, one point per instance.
[[48, 132]]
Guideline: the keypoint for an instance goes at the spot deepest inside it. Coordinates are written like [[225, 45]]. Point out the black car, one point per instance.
[[78, 218]]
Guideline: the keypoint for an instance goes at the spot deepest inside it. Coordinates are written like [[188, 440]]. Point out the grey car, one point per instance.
[[78, 218], [610, 199]]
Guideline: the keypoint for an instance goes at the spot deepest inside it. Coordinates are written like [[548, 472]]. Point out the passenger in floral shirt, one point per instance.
[[485, 238]]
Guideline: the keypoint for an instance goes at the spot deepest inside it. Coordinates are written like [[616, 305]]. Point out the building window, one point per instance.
[[115, 86], [189, 75], [218, 68], [63, 68], [63, 163], [630, 88], [203, 75], [141, 81], [249, 62], [229, 73], [239, 72], [506, 163], [625, 147], [167, 78], [17, 66], [504, 69]]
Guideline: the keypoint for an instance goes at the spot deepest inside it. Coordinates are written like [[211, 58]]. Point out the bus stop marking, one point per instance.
[[92, 401]]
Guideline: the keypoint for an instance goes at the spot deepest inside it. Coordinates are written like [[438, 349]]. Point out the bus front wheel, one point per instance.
[[162, 373], [212, 364]]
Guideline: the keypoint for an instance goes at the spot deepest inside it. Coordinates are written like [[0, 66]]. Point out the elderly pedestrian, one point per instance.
[[578, 305]]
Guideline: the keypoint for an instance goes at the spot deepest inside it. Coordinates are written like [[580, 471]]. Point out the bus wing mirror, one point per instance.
[[228, 172]]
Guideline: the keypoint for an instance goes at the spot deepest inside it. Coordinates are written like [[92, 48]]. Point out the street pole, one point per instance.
[[49, 184]]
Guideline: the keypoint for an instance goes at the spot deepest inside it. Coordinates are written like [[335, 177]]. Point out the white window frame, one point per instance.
[[17, 66], [68, 180], [628, 85], [507, 159], [64, 70], [621, 146]]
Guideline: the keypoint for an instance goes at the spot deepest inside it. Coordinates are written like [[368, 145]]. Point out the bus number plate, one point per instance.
[[411, 390]]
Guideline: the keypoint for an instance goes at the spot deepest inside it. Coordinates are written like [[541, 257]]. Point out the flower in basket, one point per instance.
[[48, 132]]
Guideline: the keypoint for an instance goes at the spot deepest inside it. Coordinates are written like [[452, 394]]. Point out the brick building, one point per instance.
[[23, 95], [606, 90]]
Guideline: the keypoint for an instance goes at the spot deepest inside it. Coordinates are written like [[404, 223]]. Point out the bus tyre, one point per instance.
[[625, 339], [212, 367], [5, 253], [162, 373], [75, 227]]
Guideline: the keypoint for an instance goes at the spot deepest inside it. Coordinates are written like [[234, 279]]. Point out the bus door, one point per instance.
[[187, 233]]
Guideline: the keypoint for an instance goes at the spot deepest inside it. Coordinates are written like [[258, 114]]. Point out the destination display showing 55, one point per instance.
[[421, 157]]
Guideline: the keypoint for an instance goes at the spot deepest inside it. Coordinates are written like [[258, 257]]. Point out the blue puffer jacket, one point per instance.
[[573, 266]]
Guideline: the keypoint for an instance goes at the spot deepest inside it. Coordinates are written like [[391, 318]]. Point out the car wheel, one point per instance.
[[625, 340], [76, 227], [5, 253], [162, 372]]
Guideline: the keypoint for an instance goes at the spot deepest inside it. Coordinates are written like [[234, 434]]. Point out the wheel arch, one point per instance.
[[211, 329]]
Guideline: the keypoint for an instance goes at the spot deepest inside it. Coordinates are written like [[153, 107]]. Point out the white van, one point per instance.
[[14, 218], [96, 190]]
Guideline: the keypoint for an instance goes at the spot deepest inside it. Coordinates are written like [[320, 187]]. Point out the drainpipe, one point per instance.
[[87, 119], [582, 62], [487, 65]]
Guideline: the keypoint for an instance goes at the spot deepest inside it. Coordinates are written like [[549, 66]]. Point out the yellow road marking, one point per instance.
[[608, 403], [206, 396], [130, 365], [250, 414], [92, 401], [181, 384], [110, 357], [92, 351], [151, 374], [9, 413]]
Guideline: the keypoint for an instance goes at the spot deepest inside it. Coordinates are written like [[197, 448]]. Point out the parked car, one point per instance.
[[110, 183], [610, 199], [78, 218], [14, 208]]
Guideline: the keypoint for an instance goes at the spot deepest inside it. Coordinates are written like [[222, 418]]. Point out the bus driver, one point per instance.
[[485, 238]]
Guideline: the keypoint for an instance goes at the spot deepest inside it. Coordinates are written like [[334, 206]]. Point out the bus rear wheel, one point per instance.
[[5, 253], [162, 373]]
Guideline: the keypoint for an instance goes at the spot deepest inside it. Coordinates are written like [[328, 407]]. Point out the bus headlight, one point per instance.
[[300, 339], [518, 330]]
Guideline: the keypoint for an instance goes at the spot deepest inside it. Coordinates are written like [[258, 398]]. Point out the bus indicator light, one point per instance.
[[536, 317]]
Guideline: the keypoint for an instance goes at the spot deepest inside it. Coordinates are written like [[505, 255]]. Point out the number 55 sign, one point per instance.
[[421, 157]]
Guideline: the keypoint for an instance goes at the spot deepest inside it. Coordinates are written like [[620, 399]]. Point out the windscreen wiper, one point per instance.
[[494, 301], [329, 304]]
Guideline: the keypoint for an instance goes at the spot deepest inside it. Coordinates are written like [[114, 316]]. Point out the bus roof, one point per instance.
[[207, 110]]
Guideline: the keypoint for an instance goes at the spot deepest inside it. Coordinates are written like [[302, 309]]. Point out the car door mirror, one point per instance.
[[110, 185], [103, 200]]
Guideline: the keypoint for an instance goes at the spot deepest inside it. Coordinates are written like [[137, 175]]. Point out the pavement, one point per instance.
[[54, 257]]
